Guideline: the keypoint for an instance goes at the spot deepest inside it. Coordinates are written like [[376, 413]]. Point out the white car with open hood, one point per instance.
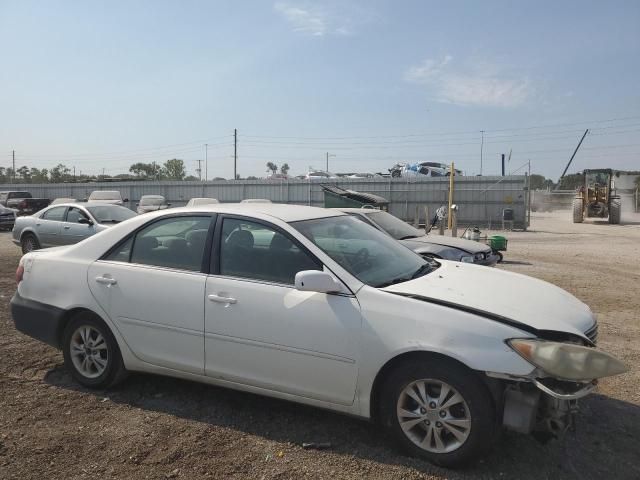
[[317, 307]]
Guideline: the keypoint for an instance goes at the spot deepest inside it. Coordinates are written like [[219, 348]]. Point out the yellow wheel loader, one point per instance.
[[597, 198]]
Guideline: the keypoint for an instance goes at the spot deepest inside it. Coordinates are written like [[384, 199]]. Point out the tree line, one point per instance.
[[173, 169]]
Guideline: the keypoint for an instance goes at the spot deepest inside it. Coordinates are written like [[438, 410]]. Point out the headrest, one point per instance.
[[240, 238]]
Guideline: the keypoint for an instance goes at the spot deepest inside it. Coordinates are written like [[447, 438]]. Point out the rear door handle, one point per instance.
[[106, 281], [219, 299], [67, 227]]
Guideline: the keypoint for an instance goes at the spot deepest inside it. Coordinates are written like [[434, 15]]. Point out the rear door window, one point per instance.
[[176, 242], [55, 214]]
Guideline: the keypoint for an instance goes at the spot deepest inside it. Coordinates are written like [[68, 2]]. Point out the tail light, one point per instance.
[[19, 273]]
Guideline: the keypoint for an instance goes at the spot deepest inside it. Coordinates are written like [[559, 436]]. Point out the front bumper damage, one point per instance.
[[545, 408]]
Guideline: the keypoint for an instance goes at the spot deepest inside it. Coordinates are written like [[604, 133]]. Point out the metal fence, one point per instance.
[[481, 200]]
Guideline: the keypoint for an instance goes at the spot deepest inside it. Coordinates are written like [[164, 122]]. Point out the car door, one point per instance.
[[152, 287], [261, 331], [48, 226], [72, 230]]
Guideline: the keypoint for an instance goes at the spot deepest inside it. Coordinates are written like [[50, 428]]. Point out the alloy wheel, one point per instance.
[[433, 415], [89, 351]]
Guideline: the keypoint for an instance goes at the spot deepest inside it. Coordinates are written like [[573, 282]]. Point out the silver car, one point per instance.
[[151, 203], [434, 246], [65, 224]]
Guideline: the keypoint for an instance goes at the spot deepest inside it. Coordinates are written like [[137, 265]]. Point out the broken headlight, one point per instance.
[[567, 361]]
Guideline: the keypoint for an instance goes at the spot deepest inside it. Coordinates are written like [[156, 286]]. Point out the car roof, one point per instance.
[[83, 204], [282, 211], [358, 210], [106, 191], [152, 196]]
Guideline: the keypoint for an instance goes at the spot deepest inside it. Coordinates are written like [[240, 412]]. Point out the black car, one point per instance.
[[7, 218]]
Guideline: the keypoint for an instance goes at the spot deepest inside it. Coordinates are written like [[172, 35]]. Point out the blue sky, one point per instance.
[[106, 84]]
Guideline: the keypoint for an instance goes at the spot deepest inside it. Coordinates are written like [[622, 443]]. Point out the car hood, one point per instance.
[[516, 297], [459, 243]]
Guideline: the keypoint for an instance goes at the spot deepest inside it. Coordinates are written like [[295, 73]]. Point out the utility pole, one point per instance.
[[235, 153], [206, 162], [199, 169], [481, 148], [332, 155], [74, 173], [502, 164], [14, 165]]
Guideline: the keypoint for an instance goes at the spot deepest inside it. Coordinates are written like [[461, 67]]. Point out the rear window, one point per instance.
[[105, 195], [152, 201], [19, 195], [110, 213]]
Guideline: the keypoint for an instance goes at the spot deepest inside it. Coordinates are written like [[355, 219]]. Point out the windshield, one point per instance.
[[105, 195], [367, 253], [151, 200], [110, 213], [394, 226]]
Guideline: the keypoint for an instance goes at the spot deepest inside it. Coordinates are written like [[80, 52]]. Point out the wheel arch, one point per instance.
[[68, 316], [494, 386], [30, 231]]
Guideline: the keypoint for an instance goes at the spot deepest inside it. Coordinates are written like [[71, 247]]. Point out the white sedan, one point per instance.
[[317, 307]]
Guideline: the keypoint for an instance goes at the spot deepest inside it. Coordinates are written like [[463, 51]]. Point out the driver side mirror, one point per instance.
[[85, 221], [125, 200], [316, 281]]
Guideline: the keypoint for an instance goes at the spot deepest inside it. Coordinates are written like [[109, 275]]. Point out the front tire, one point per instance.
[[91, 352], [29, 243], [440, 411], [578, 214], [614, 212]]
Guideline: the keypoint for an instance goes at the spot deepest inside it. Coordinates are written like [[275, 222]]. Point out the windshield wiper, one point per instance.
[[393, 282], [423, 270], [407, 237]]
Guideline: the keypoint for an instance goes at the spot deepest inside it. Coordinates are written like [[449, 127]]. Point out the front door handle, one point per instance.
[[219, 299], [106, 281], [66, 227]]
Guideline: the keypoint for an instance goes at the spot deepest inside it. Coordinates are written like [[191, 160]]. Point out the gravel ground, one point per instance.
[[152, 427]]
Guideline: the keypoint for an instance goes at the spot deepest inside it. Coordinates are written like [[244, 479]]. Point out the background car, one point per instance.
[[113, 197], [65, 224], [315, 175], [22, 202], [7, 218], [151, 203], [57, 201], [201, 201], [433, 246]]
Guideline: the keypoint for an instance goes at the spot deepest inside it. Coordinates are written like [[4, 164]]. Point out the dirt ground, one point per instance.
[[152, 427]]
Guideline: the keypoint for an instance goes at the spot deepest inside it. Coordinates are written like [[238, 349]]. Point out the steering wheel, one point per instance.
[[361, 259]]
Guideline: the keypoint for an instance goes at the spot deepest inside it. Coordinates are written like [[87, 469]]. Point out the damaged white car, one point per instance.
[[314, 306]]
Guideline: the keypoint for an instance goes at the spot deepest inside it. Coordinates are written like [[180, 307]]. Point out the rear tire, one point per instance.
[[578, 214], [91, 352], [614, 212], [29, 243], [463, 420]]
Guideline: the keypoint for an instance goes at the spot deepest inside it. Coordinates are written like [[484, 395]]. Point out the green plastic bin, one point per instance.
[[498, 243]]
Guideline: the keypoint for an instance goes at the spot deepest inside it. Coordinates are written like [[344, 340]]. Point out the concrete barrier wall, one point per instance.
[[481, 200]]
